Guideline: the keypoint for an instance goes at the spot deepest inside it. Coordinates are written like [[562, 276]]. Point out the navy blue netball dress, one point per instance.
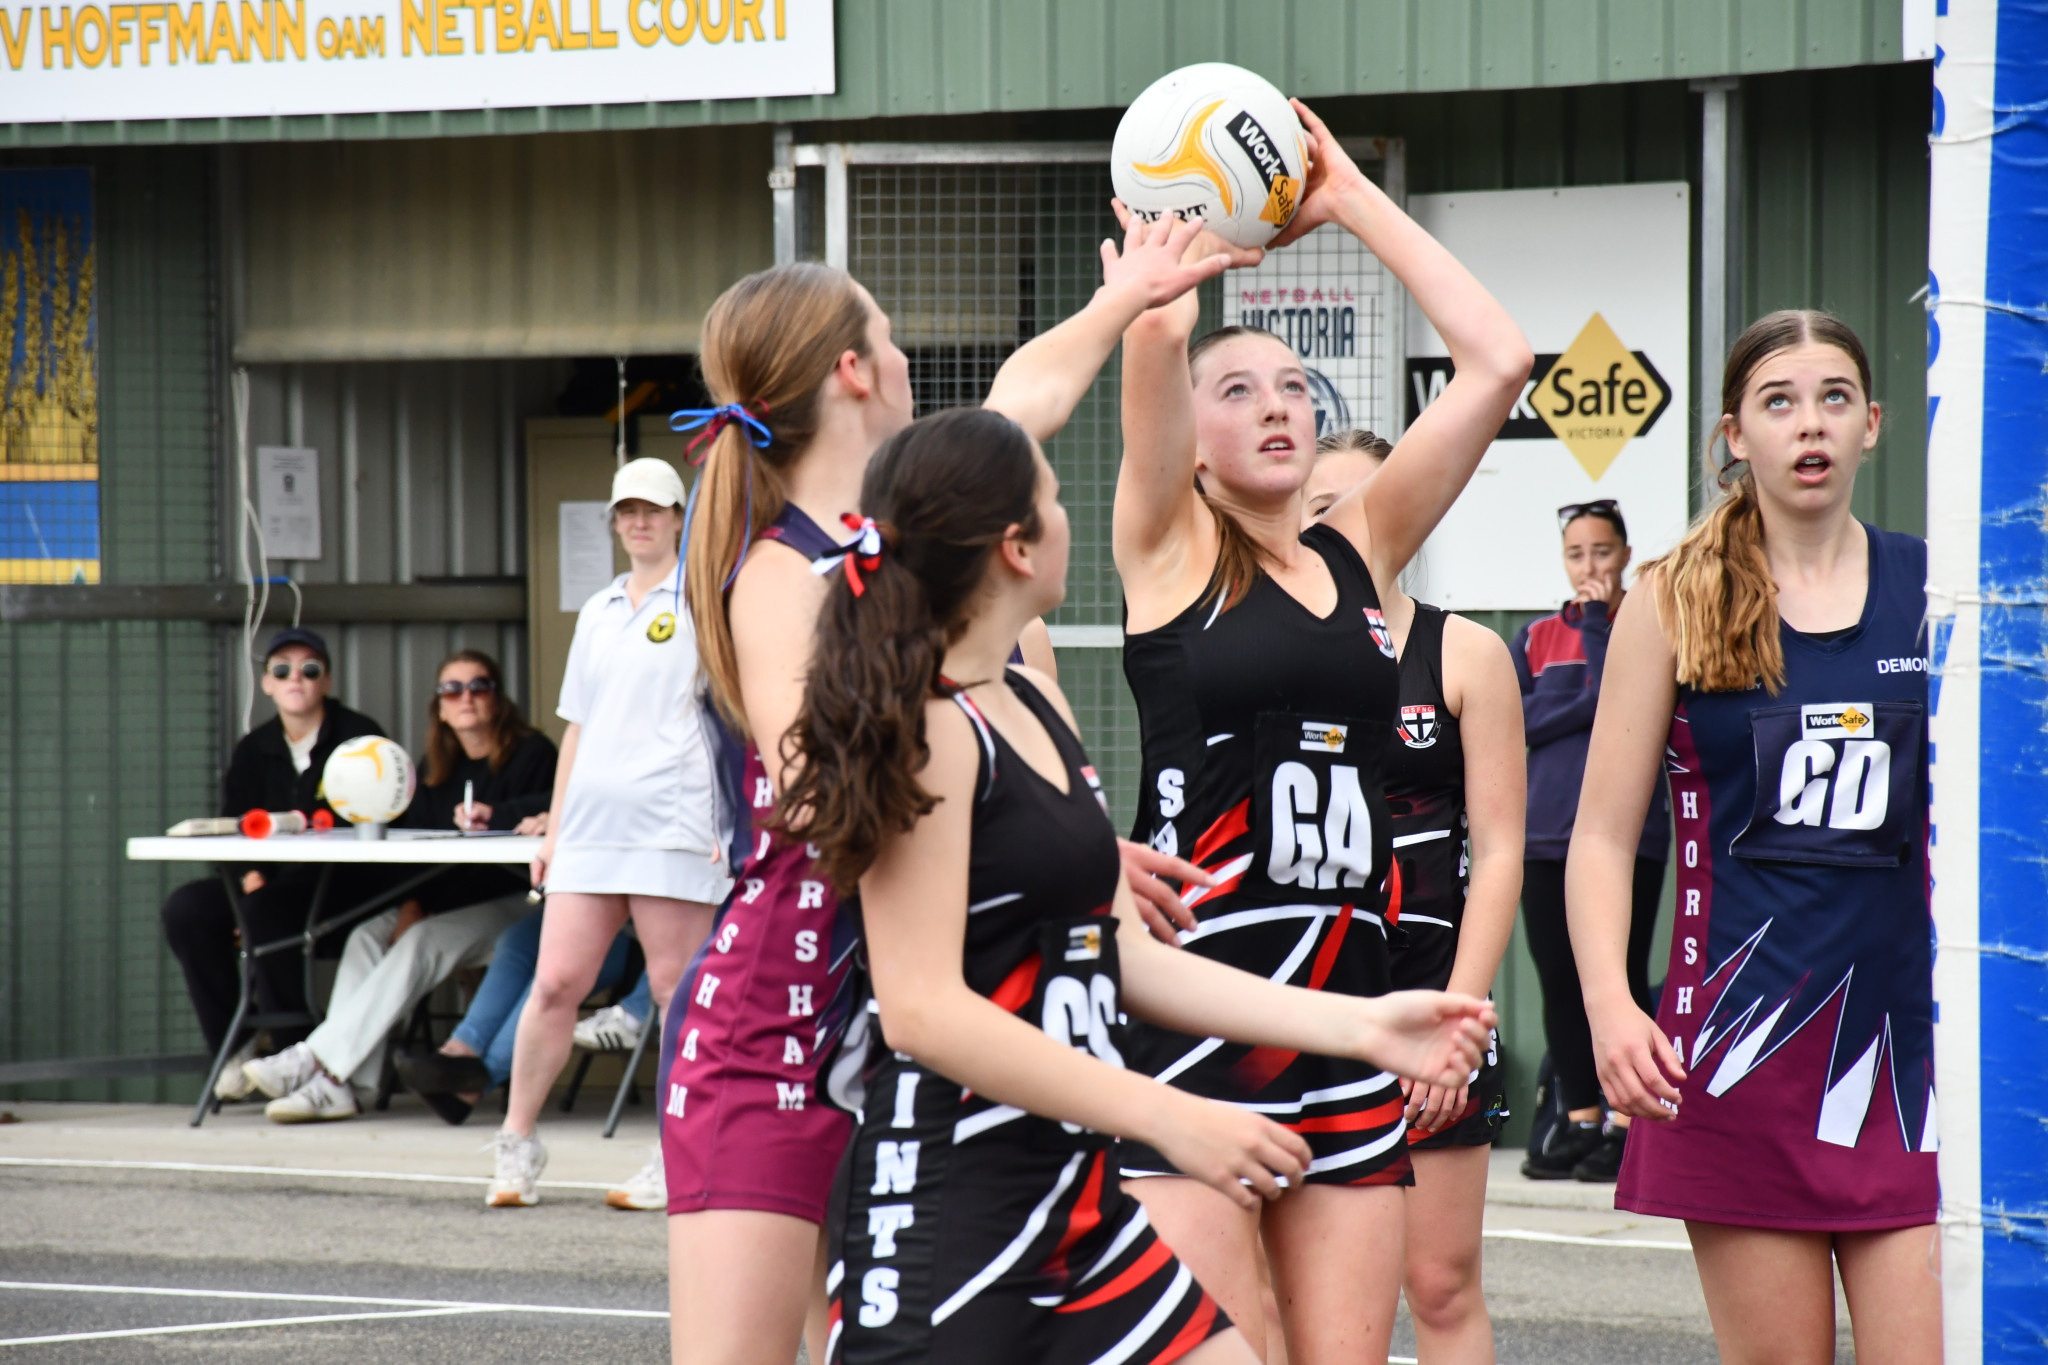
[[1800, 994]]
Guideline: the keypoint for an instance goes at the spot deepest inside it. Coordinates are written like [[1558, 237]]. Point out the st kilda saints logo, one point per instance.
[[1595, 397], [1418, 726], [1376, 621]]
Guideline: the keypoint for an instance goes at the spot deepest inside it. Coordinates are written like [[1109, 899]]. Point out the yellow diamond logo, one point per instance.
[[1854, 720], [1597, 396]]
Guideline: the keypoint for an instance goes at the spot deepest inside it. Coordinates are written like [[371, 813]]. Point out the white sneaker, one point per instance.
[[647, 1191], [317, 1101], [281, 1073], [611, 1029], [233, 1084], [520, 1162]]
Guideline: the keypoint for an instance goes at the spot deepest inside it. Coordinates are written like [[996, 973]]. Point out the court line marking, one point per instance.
[[271, 1296], [112, 1333], [1526, 1235], [204, 1168]]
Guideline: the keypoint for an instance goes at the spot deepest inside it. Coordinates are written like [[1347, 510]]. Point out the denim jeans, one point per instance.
[[492, 1023]]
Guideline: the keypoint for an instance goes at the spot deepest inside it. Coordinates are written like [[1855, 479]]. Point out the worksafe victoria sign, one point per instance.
[[1598, 278], [235, 58]]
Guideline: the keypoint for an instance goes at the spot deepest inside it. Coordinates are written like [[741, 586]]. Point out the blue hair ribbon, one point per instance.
[[715, 420]]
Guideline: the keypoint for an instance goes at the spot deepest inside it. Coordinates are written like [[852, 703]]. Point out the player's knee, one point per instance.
[[553, 991], [1442, 1290]]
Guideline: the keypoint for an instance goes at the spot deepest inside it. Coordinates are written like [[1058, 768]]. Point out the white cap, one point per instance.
[[650, 480]]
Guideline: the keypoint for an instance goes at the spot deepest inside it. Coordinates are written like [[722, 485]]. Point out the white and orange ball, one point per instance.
[[368, 780], [1216, 142]]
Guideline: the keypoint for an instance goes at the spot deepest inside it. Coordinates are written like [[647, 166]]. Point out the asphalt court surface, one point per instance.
[[392, 1256]]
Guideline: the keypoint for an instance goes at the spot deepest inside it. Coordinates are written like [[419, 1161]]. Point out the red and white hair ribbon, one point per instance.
[[862, 554]]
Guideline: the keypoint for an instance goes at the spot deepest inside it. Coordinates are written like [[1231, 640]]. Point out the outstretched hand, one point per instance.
[[1152, 264], [1332, 174], [1159, 905], [1431, 1036]]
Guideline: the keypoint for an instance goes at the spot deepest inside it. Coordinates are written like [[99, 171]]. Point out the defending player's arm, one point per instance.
[[1390, 516], [1638, 1067], [914, 907], [1041, 382], [1480, 683]]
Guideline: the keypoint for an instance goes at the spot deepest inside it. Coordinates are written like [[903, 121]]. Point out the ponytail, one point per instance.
[[1714, 591], [943, 492], [770, 343]]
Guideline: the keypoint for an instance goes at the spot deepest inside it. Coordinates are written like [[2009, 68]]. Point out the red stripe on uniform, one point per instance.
[[1395, 1172], [1192, 1335], [1015, 992], [1233, 822], [1085, 1218], [1394, 891], [1257, 1068], [1157, 1255], [1376, 1117]]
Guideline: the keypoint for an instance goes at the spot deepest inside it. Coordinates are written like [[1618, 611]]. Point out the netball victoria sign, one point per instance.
[[236, 58]]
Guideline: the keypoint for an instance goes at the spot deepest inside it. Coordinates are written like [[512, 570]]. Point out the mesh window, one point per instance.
[[969, 262], [49, 379]]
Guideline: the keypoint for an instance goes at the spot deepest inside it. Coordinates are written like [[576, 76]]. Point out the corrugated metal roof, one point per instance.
[[918, 57]]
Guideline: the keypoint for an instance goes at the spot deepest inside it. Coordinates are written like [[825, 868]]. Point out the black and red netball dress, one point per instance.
[[1800, 994], [973, 1231], [1426, 803], [1265, 730]]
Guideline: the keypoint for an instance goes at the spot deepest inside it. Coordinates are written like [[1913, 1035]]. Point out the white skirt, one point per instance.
[[595, 870]]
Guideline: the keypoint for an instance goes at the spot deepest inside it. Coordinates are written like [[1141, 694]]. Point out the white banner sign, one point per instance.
[[236, 58], [1599, 281]]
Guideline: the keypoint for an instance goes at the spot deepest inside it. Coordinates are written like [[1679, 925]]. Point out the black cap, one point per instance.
[[299, 635]]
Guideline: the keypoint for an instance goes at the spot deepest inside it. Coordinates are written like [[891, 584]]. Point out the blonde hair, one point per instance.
[[770, 343], [1714, 591]]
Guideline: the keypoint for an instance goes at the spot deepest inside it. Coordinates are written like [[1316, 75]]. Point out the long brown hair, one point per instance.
[[1239, 558], [508, 727], [1714, 591], [770, 342], [942, 492]]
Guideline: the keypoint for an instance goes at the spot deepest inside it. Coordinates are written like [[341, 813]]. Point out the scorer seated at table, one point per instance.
[[277, 767], [485, 769]]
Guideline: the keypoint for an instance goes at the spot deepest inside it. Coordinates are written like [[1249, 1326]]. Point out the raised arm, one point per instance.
[[1638, 1067], [1039, 385], [1390, 516]]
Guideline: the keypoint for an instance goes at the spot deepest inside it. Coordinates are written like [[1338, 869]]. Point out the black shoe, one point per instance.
[[453, 1109], [1563, 1149], [437, 1073], [1602, 1166]]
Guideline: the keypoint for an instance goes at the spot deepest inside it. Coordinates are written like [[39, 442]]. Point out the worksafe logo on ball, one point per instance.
[[1595, 397]]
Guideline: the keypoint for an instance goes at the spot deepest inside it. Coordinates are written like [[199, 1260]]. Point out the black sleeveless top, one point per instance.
[[1426, 803], [1265, 731]]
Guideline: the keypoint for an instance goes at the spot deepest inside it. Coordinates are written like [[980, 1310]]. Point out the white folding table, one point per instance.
[[429, 850]]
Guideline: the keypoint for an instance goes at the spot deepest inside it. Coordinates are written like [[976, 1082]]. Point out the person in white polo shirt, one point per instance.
[[634, 827]]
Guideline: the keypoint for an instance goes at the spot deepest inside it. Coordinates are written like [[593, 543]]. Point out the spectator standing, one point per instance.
[[1560, 659], [276, 766], [633, 829]]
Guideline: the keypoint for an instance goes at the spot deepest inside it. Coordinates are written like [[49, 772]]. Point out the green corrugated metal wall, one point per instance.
[[112, 729], [900, 58]]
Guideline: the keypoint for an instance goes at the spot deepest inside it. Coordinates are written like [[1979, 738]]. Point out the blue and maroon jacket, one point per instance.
[[1559, 659]]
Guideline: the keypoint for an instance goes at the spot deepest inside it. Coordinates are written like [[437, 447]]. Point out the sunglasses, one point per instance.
[[312, 670], [476, 687], [1572, 511]]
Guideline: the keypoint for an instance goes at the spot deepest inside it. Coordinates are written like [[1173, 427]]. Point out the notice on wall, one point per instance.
[[288, 501], [584, 546], [1598, 279], [242, 58]]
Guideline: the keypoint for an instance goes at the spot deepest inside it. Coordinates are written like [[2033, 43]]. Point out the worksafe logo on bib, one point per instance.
[[1323, 737], [1835, 720], [1593, 398]]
